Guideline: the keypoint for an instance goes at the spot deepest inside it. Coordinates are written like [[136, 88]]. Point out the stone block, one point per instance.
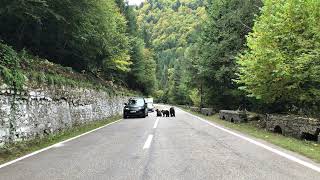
[[233, 116], [294, 126], [195, 109], [207, 111]]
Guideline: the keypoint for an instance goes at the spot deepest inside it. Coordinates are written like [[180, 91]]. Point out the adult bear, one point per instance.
[[172, 112]]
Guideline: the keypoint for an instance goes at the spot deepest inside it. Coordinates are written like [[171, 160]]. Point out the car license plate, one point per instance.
[[133, 111]]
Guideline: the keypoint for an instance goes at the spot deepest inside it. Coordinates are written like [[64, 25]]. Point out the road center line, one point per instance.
[[156, 123], [148, 142], [278, 152]]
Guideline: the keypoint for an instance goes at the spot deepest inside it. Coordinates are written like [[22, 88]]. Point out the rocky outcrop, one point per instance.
[[233, 116], [295, 126], [38, 112]]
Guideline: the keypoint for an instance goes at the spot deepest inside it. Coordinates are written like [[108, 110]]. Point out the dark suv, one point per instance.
[[136, 107]]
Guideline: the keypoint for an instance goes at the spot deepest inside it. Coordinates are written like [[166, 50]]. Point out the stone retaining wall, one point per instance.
[[195, 109], [207, 111], [38, 112], [295, 126], [233, 116]]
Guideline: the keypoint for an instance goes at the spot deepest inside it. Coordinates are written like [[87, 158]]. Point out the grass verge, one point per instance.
[[306, 148], [19, 149]]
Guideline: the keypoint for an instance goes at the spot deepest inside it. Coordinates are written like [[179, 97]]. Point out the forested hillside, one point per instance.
[[170, 28], [95, 37], [261, 55], [222, 37]]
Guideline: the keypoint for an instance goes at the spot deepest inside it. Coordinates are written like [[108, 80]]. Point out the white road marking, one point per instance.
[[54, 145], [148, 142], [156, 123], [58, 145], [280, 153]]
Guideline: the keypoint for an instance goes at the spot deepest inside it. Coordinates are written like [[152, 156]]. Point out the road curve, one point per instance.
[[159, 148]]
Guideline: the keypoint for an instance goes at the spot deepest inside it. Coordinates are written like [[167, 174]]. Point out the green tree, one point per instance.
[[283, 61], [223, 37], [169, 27], [142, 75], [83, 34]]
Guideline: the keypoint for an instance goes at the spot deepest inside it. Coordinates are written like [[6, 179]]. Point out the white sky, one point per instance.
[[135, 2]]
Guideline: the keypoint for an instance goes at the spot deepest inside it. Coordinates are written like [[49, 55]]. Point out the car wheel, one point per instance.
[[144, 115], [125, 117]]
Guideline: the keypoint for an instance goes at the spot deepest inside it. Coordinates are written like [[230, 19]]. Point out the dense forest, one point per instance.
[[262, 55], [95, 37], [171, 29], [195, 45]]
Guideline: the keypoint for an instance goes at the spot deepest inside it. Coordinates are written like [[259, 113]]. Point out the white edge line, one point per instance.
[[278, 152], [148, 142], [156, 123], [54, 145]]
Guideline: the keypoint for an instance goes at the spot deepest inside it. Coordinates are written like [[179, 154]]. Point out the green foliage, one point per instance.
[[9, 67], [142, 75], [222, 38], [85, 34], [282, 64], [149, 71], [99, 38], [22, 69], [195, 97], [13, 78], [8, 56], [158, 95], [170, 27]]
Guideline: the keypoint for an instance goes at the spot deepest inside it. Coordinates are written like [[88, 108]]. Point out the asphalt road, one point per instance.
[[168, 148]]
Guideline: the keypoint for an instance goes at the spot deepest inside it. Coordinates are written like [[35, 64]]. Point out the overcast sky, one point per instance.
[[135, 2]]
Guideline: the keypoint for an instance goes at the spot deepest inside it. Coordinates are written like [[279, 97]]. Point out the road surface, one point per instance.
[[159, 148]]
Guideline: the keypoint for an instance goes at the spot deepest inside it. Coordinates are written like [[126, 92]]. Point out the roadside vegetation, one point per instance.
[[29, 71], [171, 29], [262, 55], [18, 149], [46, 41], [306, 148], [93, 44]]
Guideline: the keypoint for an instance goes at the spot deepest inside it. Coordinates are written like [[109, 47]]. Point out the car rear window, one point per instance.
[[138, 102]]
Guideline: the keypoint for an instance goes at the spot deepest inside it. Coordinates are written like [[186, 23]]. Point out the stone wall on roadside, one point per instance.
[[38, 112], [233, 116], [295, 126], [195, 109], [207, 111]]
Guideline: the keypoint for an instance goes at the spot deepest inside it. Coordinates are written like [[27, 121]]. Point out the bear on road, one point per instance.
[[172, 112]]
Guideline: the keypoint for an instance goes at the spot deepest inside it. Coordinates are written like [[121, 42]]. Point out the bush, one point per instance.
[[8, 56]]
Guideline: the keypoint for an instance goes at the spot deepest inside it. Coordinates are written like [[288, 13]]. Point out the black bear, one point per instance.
[[165, 113], [172, 112], [159, 114]]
